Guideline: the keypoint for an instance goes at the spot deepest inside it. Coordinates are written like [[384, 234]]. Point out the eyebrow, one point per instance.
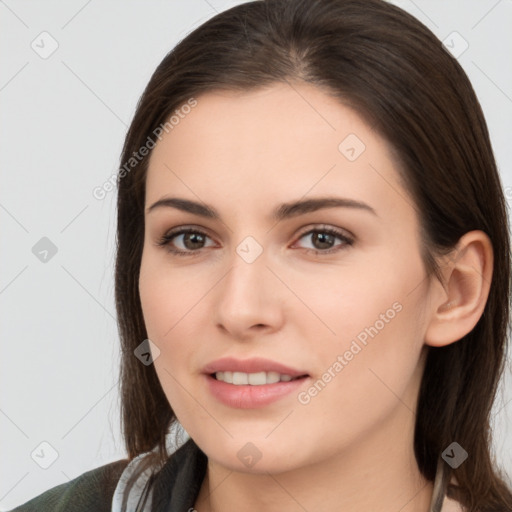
[[283, 211]]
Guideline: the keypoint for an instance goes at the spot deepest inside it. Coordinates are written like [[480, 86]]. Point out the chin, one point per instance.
[[259, 456]]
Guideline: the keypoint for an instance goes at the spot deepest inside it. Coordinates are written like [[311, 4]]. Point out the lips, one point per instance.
[[246, 389], [253, 365]]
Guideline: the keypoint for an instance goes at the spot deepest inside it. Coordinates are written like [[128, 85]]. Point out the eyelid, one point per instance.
[[187, 227], [327, 227]]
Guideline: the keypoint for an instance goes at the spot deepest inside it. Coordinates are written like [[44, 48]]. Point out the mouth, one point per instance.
[[254, 379], [252, 383]]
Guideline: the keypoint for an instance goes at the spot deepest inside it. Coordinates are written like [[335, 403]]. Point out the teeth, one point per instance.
[[240, 378], [253, 379]]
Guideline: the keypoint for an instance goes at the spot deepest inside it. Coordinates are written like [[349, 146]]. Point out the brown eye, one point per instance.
[[185, 241], [193, 240], [323, 240]]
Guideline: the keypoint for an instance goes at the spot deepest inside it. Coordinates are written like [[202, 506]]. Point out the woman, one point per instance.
[[312, 274]]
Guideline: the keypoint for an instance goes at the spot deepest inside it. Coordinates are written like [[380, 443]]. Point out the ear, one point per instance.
[[458, 303]]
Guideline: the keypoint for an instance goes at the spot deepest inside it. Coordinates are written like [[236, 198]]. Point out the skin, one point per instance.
[[351, 447]]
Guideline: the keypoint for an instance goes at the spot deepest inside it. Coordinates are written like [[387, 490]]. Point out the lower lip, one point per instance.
[[251, 397]]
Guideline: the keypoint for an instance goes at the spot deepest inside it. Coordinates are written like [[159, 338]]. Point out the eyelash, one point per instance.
[[165, 241]]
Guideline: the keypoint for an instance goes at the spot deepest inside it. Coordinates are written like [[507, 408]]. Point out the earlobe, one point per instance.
[[457, 306]]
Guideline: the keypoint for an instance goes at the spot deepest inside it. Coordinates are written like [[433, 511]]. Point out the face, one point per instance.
[[314, 311]]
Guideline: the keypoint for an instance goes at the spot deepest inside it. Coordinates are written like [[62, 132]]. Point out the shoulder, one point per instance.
[[92, 490]]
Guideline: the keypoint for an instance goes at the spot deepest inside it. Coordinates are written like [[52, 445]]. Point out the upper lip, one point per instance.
[[253, 365]]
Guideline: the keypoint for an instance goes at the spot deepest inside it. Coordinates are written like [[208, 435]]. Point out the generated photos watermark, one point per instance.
[[100, 192], [356, 346]]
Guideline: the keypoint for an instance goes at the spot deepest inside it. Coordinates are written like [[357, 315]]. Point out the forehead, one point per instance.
[[292, 138], [282, 118]]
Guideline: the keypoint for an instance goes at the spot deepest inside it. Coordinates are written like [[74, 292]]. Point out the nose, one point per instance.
[[248, 300]]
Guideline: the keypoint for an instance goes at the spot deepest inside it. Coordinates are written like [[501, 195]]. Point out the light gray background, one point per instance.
[[63, 123]]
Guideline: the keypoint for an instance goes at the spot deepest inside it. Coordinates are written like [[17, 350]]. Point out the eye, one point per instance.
[[190, 239], [323, 240]]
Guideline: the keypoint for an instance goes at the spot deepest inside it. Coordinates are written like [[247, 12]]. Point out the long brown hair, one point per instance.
[[381, 61]]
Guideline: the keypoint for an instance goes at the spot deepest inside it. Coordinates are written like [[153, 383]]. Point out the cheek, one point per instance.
[[166, 295], [362, 386], [345, 304], [167, 303], [371, 359], [173, 306]]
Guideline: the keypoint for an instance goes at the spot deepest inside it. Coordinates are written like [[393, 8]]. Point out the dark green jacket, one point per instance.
[[175, 486], [91, 491]]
